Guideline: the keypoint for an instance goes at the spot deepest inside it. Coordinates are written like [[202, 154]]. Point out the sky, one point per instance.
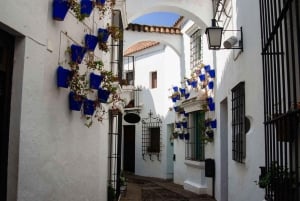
[[158, 18]]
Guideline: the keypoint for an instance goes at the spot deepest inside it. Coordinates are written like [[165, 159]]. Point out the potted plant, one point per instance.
[[210, 133], [184, 123], [90, 42], [75, 101], [88, 107], [175, 96], [76, 8], [103, 35], [60, 9], [63, 77], [77, 53], [86, 7], [95, 80], [187, 136]]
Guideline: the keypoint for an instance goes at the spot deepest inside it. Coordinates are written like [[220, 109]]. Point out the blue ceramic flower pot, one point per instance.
[[211, 84], [184, 124], [103, 95], [90, 42], [207, 68], [211, 106], [188, 82], [212, 73], [95, 81], [194, 84], [86, 7], [88, 107], [186, 114], [60, 9], [210, 100], [178, 125], [187, 136], [213, 123], [202, 77], [103, 35], [182, 90], [181, 136], [186, 95], [210, 134], [63, 77], [175, 89], [74, 102], [77, 53], [176, 108], [174, 99]]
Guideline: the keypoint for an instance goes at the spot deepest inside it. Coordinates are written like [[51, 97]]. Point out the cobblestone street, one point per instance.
[[152, 189]]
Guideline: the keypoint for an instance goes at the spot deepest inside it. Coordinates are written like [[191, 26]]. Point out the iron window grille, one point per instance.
[[194, 147], [238, 123], [280, 39], [151, 136], [196, 49]]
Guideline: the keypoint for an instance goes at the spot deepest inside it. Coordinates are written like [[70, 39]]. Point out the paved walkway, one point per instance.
[[153, 189]]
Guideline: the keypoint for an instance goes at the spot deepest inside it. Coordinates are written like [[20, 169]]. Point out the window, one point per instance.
[[196, 49], [153, 80], [154, 145], [238, 123], [194, 149]]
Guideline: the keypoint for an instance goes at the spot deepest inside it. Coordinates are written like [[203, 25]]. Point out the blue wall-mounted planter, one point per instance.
[[100, 2], [178, 125], [103, 35], [211, 84], [60, 9], [103, 95], [86, 7], [184, 124], [91, 42], [211, 106], [187, 136], [210, 134], [202, 77], [207, 68], [175, 89], [88, 107], [95, 81], [176, 108], [181, 136], [186, 95], [194, 83], [77, 53], [210, 100], [74, 104], [213, 123], [63, 77], [182, 91], [174, 99], [212, 73]]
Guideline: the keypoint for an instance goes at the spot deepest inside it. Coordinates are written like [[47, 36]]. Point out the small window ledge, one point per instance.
[[195, 164]]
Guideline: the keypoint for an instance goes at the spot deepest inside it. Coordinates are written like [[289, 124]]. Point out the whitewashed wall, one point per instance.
[[246, 67], [52, 154], [166, 62]]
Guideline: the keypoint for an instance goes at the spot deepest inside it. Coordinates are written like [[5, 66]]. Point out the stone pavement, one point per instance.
[[153, 189]]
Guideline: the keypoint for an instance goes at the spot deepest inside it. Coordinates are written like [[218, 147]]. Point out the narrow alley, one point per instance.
[[153, 189]]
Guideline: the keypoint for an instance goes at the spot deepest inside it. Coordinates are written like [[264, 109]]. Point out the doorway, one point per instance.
[[6, 68], [129, 148], [224, 149]]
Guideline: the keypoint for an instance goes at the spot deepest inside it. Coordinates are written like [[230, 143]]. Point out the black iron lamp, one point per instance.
[[214, 38]]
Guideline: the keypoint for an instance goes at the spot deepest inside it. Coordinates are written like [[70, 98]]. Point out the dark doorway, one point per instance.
[[129, 148], [6, 63]]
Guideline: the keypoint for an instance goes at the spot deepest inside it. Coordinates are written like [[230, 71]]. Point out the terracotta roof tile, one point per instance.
[[140, 46]]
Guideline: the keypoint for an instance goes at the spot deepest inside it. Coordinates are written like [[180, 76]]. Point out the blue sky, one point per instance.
[[158, 18]]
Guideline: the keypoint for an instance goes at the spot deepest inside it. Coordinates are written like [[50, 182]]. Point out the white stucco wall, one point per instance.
[[52, 154], [165, 61], [248, 68]]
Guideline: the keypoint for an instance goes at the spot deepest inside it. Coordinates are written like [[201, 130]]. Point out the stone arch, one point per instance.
[[201, 12]]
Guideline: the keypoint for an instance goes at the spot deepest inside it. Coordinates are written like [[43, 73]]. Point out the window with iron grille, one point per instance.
[[196, 48], [238, 123], [194, 149], [154, 145]]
